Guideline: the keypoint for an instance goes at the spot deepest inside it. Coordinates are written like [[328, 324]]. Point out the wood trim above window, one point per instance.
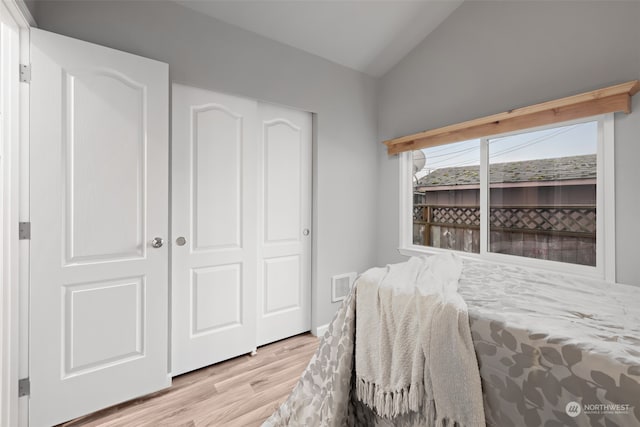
[[612, 99]]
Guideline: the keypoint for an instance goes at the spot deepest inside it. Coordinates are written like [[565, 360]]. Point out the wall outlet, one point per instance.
[[341, 286]]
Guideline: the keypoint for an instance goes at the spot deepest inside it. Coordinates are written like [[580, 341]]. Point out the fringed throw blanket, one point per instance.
[[444, 389], [390, 362], [414, 351]]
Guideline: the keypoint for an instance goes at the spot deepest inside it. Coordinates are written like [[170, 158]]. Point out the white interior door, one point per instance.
[[214, 201], [99, 196], [284, 274]]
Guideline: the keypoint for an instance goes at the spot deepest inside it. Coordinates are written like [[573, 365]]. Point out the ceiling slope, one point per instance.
[[368, 36]]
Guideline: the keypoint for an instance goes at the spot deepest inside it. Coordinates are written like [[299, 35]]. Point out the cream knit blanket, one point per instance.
[[413, 343]]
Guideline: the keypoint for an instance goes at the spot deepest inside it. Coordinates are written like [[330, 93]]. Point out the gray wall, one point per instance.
[[489, 57], [210, 54]]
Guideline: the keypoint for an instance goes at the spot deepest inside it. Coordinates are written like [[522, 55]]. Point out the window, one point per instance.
[[539, 197], [446, 194]]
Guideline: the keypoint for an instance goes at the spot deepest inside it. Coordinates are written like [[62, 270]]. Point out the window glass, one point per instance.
[[542, 194], [446, 196]]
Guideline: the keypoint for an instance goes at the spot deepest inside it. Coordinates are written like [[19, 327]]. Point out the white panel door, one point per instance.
[[214, 201], [99, 197], [284, 273]]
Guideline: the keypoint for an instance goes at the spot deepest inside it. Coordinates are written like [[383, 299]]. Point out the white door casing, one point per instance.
[[284, 247], [99, 195], [214, 202], [9, 214]]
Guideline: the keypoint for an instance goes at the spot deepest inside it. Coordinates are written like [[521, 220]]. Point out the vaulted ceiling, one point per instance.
[[370, 36]]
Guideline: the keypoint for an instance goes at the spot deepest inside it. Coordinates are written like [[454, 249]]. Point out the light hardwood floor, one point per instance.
[[239, 392]]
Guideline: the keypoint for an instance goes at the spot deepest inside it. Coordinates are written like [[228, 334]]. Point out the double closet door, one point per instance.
[[241, 215]]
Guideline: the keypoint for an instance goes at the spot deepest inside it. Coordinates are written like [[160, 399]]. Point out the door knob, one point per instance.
[[181, 241], [305, 232], [157, 242]]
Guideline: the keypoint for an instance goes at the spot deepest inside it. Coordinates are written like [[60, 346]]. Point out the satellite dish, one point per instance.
[[419, 160]]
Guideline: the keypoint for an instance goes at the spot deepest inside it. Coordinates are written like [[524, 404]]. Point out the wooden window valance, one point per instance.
[[611, 99]]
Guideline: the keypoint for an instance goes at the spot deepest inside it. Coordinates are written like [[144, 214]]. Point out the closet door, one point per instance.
[[284, 273], [99, 209], [214, 202]]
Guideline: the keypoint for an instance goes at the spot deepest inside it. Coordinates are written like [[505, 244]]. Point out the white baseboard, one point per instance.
[[320, 330]]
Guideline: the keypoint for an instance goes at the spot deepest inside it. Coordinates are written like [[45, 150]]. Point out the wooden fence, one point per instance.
[[558, 233]]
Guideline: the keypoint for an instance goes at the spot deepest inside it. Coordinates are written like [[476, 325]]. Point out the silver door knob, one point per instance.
[[157, 242], [181, 241], [305, 232]]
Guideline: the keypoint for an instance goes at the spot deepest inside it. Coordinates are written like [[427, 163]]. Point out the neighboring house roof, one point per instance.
[[555, 169]]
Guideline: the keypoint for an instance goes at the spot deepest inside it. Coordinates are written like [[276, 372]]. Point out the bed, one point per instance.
[[546, 340], [553, 350]]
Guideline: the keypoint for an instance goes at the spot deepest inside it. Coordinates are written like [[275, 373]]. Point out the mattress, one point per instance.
[[554, 350]]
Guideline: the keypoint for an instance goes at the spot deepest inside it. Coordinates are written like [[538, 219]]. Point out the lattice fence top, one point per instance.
[[456, 215], [557, 218], [576, 220]]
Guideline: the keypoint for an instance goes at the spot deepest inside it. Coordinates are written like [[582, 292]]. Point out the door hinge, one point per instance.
[[25, 73], [24, 231], [24, 387]]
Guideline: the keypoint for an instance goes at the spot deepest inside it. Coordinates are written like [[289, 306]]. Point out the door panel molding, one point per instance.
[[219, 219], [112, 315], [89, 153]]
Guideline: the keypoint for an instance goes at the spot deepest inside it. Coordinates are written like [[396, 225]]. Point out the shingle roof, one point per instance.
[[555, 169]]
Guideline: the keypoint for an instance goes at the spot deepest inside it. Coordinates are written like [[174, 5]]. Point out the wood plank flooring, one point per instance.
[[239, 392]]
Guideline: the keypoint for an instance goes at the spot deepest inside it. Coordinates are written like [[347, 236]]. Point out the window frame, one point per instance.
[[605, 207]]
